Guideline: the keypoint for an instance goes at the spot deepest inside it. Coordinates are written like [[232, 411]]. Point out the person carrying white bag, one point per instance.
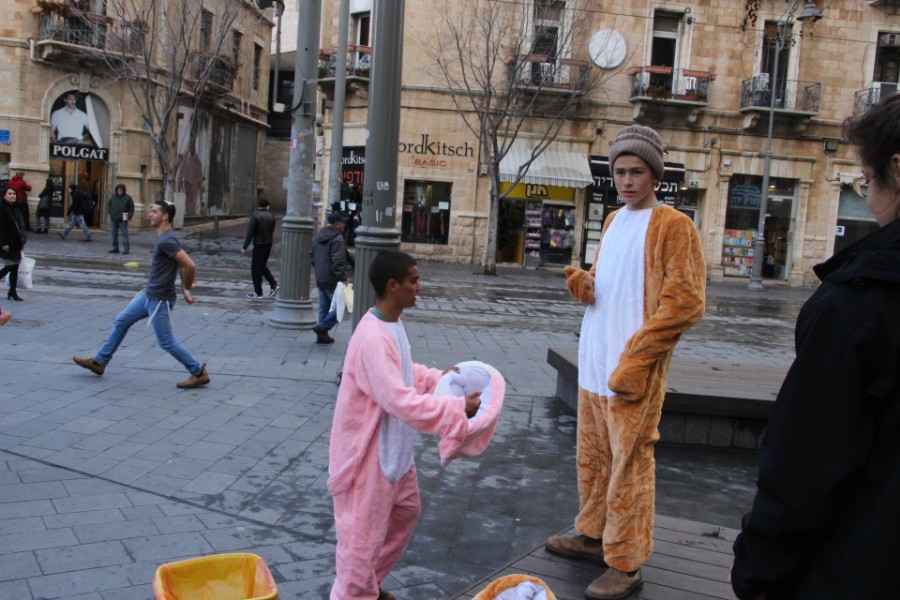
[[12, 241]]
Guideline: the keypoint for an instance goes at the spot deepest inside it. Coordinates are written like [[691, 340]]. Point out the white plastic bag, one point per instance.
[[26, 267], [339, 301]]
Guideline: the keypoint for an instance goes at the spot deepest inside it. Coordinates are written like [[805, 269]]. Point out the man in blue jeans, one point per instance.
[[329, 260], [156, 301]]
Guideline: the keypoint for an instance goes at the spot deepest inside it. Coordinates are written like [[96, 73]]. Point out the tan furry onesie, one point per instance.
[[616, 432]]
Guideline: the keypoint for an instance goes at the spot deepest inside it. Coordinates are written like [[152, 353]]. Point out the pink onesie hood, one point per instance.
[[473, 376]]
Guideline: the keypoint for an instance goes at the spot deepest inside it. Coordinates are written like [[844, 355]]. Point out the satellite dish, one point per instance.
[[607, 48]]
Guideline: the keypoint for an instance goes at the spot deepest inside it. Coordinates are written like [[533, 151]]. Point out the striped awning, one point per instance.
[[563, 169]]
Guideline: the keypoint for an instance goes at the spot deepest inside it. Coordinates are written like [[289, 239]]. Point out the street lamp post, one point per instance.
[[378, 230], [809, 13], [293, 308]]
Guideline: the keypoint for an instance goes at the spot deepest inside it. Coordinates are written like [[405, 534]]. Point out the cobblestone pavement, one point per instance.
[[104, 479]]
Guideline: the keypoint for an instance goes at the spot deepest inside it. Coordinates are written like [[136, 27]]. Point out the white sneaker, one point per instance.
[[253, 296], [274, 290]]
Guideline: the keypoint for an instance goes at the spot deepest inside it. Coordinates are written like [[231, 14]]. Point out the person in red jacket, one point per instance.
[[22, 188]]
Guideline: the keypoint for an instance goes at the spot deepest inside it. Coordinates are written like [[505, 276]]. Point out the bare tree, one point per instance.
[[169, 54], [509, 73]]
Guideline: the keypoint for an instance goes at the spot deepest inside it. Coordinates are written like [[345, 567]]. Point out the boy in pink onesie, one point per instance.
[[384, 398]]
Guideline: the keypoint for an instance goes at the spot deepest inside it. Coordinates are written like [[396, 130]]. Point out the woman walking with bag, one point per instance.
[[12, 240]]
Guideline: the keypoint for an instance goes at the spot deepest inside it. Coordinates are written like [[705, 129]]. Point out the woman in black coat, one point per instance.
[[826, 518], [12, 240]]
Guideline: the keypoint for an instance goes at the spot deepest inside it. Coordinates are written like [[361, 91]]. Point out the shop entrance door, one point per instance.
[[779, 235], [511, 231], [89, 177]]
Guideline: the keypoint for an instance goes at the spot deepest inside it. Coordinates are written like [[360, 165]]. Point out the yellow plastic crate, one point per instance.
[[216, 577]]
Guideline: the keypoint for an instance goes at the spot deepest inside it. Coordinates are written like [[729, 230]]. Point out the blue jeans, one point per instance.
[[327, 318], [77, 220], [115, 226], [140, 308]]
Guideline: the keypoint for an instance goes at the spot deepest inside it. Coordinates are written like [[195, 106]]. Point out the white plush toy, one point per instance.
[[474, 376]]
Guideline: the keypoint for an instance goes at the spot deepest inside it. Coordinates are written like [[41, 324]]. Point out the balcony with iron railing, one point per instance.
[[795, 98], [657, 87], [539, 71], [678, 86], [222, 71], [872, 95], [74, 36], [358, 65]]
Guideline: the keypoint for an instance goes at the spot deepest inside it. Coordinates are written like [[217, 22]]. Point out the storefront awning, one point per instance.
[[563, 169]]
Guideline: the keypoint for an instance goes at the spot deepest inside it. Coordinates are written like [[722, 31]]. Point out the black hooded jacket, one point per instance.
[[826, 519], [329, 257]]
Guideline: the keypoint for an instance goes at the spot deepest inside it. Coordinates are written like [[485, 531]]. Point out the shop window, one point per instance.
[[426, 212]]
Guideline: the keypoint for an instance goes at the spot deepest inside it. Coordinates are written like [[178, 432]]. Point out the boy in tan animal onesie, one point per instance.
[[646, 287]]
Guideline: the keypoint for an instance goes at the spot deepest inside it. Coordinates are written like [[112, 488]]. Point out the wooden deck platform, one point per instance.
[[718, 404], [690, 561]]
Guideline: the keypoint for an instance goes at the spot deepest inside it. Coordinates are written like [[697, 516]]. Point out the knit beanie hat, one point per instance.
[[641, 141]]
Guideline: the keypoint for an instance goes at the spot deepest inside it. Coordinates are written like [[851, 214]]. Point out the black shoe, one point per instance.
[[322, 336], [125, 252], [87, 240], [61, 236], [115, 251], [13, 296]]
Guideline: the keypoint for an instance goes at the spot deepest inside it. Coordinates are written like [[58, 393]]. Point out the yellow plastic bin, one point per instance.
[[217, 577]]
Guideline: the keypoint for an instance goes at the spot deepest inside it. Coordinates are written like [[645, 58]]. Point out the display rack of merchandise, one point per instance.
[[737, 252], [533, 230]]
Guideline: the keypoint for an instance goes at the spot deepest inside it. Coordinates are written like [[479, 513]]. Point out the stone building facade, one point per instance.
[[700, 74], [51, 59]]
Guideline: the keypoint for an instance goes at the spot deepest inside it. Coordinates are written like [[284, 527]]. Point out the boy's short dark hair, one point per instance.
[[389, 264], [262, 203], [167, 208]]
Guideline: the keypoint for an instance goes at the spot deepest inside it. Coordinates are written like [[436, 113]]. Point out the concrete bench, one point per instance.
[[714, 404]]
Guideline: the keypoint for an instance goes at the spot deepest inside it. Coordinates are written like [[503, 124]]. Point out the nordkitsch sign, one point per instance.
[[64, 151], [434, 153]]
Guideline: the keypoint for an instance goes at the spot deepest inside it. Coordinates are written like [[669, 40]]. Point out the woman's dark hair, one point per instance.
[[389, 264], [876, 135], [167, 208]]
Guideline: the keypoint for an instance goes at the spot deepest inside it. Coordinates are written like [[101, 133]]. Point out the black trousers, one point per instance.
[[258, 268], [13, 271]]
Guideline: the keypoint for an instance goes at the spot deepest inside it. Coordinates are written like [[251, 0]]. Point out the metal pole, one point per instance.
[[759, 238], [279, 6], [337, 113], [378, 230], [293, 309]]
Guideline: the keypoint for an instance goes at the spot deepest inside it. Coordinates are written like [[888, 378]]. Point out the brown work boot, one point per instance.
[[579, 546], [90, 364], [614, 585], [195, 380], [385, 595]]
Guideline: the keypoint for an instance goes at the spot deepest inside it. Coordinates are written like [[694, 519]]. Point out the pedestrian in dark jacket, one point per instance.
[[12, 240], [120, 209], [45, 203], [329, 260], [260, 231], [825, 521], [78, 203], [22, 188]]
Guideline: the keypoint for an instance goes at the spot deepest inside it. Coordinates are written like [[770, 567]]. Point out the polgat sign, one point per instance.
[[58, 150]]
